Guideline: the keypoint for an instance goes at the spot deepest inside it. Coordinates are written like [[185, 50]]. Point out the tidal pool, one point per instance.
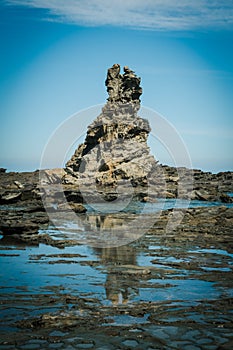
[[151, 292]]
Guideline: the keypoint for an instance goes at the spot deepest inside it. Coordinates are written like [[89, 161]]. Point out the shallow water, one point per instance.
[[117, 223], [184, 284], [148, 208], [102, 273]]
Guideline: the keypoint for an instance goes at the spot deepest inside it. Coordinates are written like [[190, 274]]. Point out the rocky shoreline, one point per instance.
[[187, 271], [92, 260], [23, 211]]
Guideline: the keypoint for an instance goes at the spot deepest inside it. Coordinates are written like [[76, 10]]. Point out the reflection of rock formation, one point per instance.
[[106, 222], [105, 229], [115, 151], [119, 288], [109, 230]]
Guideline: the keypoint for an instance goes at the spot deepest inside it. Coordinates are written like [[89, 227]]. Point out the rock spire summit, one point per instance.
[[123, 87]]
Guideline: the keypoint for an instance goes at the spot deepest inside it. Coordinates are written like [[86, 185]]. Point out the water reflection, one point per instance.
[[102, 229], [119, 286], [107, 222], [113, 224]]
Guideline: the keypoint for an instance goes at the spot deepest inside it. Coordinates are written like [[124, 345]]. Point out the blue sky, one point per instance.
[[55, 54]]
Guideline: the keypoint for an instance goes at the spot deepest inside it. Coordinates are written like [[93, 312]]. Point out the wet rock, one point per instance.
[[225, 198], [76, 207], [28, 194], [61, 320], [73, 195], [12, 228], [130, 343], [10, 197], [169, 195], [148, 199], [21, 220]]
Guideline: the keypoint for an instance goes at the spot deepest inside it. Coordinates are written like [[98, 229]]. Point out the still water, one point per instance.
[[37, 279]]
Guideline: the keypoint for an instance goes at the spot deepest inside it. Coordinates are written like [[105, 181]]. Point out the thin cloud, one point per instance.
[[142, 14]]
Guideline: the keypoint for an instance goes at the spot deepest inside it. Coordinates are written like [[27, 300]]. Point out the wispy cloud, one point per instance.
[[144, 14]]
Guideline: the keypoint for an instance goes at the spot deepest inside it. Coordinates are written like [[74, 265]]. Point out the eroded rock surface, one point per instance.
[[123, 87], [115, 148]]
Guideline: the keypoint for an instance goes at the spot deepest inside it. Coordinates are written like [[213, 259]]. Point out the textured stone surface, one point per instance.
[[113, 162], [123, 88], [115, 147], [194, 184]]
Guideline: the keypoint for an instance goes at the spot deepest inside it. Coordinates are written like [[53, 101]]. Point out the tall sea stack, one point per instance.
[[115, 151]]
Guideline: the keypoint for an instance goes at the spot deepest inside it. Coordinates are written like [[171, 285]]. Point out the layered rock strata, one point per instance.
[[22, 211], [115, 150]]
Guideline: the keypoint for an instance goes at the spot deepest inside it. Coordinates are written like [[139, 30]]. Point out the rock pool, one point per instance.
[[166, 290]]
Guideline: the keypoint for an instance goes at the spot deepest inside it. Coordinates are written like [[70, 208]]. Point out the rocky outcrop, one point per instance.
[[113, 162], [115, 150], [25, 214], [22, 209], [194, 184]]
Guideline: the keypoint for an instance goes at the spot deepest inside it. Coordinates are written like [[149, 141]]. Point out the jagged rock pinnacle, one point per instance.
[[115, 148], [123, 87]]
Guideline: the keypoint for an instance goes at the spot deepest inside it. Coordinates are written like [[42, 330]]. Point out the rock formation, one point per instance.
[[113, 160], [115, 150], [123, 88]]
